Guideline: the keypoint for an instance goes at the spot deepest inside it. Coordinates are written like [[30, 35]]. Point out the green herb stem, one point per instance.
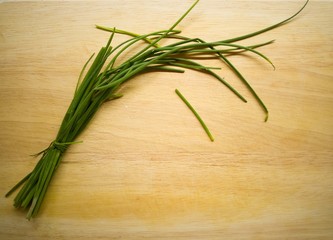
[[196, 115], [236, 39]]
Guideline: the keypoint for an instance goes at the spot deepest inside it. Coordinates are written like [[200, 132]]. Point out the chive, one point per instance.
[[267, 28], [196, 115], [102, 80]]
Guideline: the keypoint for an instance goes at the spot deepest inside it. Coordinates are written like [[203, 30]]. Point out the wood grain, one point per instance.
[[146, 169]]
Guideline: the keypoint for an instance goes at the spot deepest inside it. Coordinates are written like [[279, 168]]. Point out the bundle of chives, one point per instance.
[[102, 81]]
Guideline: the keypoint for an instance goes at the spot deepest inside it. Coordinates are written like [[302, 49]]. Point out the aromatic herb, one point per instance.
[[102, 81], [195, 114]]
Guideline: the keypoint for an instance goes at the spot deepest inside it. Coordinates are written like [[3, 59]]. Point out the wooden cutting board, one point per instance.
[[146, 169]]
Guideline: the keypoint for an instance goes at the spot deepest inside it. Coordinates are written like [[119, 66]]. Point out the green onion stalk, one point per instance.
[[100, 83]]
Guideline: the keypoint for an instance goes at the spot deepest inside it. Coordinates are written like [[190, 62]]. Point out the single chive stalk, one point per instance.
[[203, 124]]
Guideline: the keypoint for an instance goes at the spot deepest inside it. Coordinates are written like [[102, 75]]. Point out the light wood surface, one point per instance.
[[146, 169]]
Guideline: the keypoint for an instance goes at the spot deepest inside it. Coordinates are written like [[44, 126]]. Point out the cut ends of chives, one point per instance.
[[203, 124]]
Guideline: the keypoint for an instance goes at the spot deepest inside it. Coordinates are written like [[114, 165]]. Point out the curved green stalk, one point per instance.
[[203, 124], [230, 40]]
